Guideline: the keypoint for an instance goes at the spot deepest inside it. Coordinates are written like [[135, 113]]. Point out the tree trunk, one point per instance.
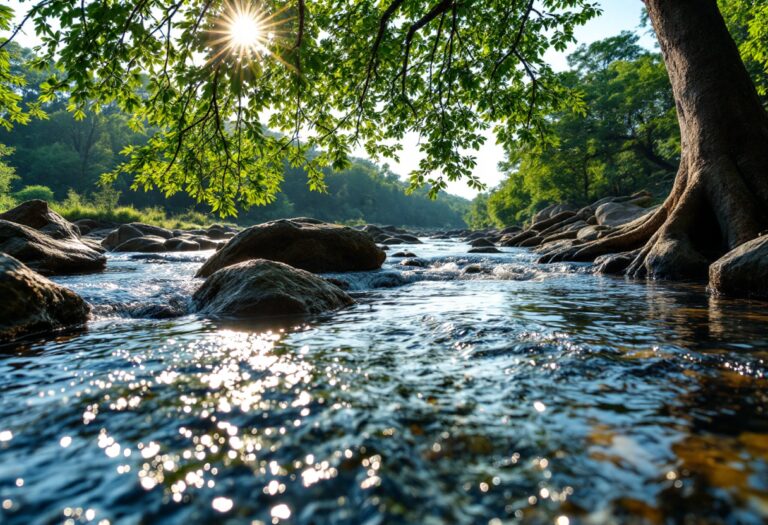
[[720, 195]]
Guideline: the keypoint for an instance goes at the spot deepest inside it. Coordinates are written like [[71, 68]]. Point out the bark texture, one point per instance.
[[719, 199]]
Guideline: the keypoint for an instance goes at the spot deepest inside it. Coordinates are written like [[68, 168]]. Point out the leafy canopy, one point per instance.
[[627, 140], [330, 76]]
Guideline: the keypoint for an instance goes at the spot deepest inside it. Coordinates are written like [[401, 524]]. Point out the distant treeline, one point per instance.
[[66, 155]]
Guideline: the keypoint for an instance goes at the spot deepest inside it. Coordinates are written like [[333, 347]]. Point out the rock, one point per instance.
[[591, 233], [148, 229], [93, 244], [742, 272], [86, 226], [33, 304], [259, 288], [405, 253], [481, 242], [616, 213], [178, 244], [560, 217], [485, 249], [120, 235], [37, 215], [550, 211], [218, 233], [510, 229], [416, 263], [313, 247], [47, 255], [389, 241], [408, 238], [515, 240], [146, 244], [307, 220], [206, 243], [531, 242], [615, 263], [472, 269]]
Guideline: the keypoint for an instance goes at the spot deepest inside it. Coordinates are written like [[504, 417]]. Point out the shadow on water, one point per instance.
[[516, 393]]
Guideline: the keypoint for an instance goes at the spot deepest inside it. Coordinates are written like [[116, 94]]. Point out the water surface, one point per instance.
[[476, 389]]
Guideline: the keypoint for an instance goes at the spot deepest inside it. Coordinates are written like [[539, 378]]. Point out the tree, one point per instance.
[[719, 199], [626, 140], [329, 76]]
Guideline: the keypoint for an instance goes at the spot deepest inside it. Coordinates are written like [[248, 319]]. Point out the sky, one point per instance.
[[618, 15]]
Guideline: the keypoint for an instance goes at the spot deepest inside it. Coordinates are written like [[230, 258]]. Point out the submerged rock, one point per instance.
[[33, 304], [404, 253], [314, 247], [742, 272], [37, 215], [259, 288], [47, 255], [484, 249], [481, 242]]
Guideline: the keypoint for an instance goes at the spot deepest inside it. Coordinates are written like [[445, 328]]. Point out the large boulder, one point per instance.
[[37, 215], [260, 288], [47, 255], [33, 304], [314, 247], [178, 244], [618, 213], [148, 229], [119, 235], [742, 272]]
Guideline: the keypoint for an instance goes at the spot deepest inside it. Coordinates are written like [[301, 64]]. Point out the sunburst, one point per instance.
[[244, 31]]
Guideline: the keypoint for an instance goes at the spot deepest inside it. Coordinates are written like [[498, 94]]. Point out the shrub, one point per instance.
[[29, 193]]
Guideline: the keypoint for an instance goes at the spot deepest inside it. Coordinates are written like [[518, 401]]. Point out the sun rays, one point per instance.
[[245, 32]]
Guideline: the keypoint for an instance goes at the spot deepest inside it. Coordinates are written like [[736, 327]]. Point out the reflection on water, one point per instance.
[[514, 393]]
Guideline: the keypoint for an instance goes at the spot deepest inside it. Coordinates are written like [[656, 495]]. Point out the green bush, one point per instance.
[[6, 203], [29, 193]]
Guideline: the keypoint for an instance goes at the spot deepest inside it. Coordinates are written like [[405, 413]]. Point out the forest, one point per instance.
[[625, 140]]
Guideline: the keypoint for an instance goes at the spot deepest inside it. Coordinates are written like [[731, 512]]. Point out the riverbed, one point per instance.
[[472, 389]]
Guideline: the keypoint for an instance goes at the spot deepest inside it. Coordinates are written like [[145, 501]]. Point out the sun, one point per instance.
[[245, 32], [242, 30]]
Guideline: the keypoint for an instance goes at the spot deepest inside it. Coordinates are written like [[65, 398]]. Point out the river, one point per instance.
[[506, 393]]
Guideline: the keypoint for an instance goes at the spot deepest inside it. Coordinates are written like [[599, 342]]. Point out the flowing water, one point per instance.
[[475, 389]]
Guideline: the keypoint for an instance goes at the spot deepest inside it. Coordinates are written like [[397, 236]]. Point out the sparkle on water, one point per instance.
[[509, 393]]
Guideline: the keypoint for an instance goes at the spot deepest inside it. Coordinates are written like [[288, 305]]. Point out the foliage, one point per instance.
[[330, 76], [67, 155], [627, 140], [7, 176], [36, 191], [76, 207], [12, 109], [476, 215], [748, 23]]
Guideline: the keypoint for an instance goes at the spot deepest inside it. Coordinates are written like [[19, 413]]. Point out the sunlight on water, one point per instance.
[[508, 393]]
